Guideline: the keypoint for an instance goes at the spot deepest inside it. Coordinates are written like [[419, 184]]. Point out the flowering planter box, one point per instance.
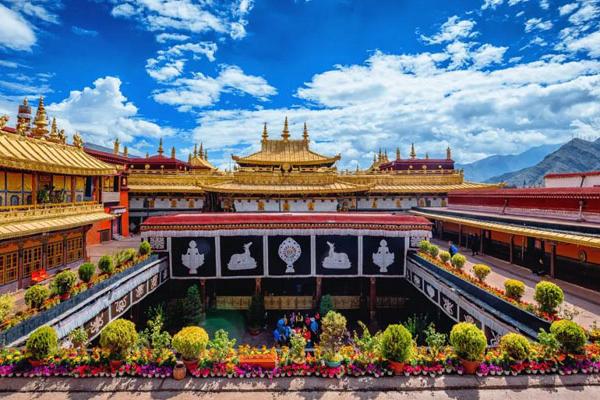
[[265, 361]]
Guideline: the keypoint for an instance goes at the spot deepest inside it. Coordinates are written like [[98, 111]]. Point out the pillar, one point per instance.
[[257, 286], [73, 181], [481, 238], [511, 249], [319, 282], [552, 259], [20, 265], [459, 235], [372, 297], [34, 188], [203, 295]]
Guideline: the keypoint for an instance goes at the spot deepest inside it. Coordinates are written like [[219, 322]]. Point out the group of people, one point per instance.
[[299, 324], [473, 243]]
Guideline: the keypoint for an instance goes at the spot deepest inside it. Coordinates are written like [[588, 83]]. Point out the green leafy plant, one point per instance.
[[105, 264], [7, 303], [42, 343], [63, 282], [86, 271], [36, 295], [514, 289], [326, 304], [256, 313], [435, 340], [396, 343], [444, 256], [192, 306], [119, 336], [154, 336], [424, 246], [468, 340], [516, 346], [481, 271], [416, 324], [369, 346], [570, 335], [297, 346], [221, 346], [548, 344], [144, 248], [333, 330], [548, 296], [124, 256], [458, 261], [433, 250], [190, 342], [78, 337]]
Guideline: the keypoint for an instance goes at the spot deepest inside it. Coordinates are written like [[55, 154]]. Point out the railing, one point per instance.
[[40, 211]]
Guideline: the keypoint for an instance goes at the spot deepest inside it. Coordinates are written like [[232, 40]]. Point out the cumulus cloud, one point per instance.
[[83, 32], [175, 37], [567, 8], [169, 63], [589, 44], [537, 24], [15, 32], [454, 28]]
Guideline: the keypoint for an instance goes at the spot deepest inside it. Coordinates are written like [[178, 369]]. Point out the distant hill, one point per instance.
[[576, 155], [486, 168]]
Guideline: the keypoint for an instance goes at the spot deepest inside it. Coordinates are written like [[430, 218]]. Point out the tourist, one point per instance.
[[452, 249], [474, 241]]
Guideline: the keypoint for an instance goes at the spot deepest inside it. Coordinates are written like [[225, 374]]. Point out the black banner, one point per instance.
[[383, 256], [193, 257], [289, 255], [337, 255], [242, 256]]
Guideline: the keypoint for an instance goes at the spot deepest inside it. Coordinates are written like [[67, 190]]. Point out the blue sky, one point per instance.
[[483, 76]]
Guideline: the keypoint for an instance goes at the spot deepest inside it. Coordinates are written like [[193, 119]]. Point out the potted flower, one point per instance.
[[106, 265], [516, 346], [144, 248], [62, 284], [297, 352], [570, 336], [190, 342], [41, 344], [36, 295], [469, 344], [396, 346], [333, 327], [119, 337], [7, 303], [256, 315], [78, 338], [548, 296]]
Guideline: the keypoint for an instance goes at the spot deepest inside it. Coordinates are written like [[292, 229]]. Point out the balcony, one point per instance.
[[111, 197], [28, 213]]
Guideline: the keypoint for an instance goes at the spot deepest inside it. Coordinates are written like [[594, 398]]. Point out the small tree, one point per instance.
[[36, 295], [514, 289], [570, 335], [396, 343], [333, 327], [42, 343], [119, 336], [326, 304], [468, 341], [297, 346], [444, 256], [78, 338], [435, 340], [7, 303], [144, 248], [106, 265], [516, 346], [458, 261], [86, 272], [63, 282], [424, 246], [481, 271], [221, 346], [548, 296], [192, 306]]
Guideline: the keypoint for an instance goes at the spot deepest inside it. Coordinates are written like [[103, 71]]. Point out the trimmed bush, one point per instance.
[[106, 265], [36, 295], [63, 282], [297, 346], [458, 261], [468, 340], [481, 271], [424, 246], [78, 337], [433, 250], [514, 289], [325, 305], [548, 296], [444, 256], [144, 248], [396, 343], [516, 346], [86, 272], [7, 303], [42, 343], [570, 335], [190, 342], [119, 336], [333, 330]]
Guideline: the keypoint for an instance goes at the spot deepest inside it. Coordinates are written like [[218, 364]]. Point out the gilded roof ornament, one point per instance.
[[62, 138], [125, 151], [22, 128], [413, 153], [160, 147], [195, 154], [3, 121], [77, 140], [398, 153], [41, 121], [116, 146], [265, 134], [190, 158], [201, 151], [54, 132], [305, 133], [448, 153], [173, 152], [285, 134]]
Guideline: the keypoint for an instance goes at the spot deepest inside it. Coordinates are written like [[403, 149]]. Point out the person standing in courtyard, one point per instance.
[[452, 249]]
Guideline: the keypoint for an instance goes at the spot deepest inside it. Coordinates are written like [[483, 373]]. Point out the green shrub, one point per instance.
[[516, 346], [42, 343], [78, 337], [124, 256], [548, 296], [468, 340], [570, 335], [36, 295], [444, 256], [333, 330], [192, 306], [297, 346], [86, 272], [424, 246], [458, 261], [256, 312], [548, 344], [435, 340], [63, 282], [7, 303], [325, 305], [433, 250], [514, 289], [106, 265], [144, 248], [221, 346], [119, 336], [190, 342], [396, 343], [481, 271]]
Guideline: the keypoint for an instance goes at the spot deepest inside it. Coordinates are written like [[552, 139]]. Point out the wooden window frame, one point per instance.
[[32, 258], [74, 249], [10, 259], [55, 252]]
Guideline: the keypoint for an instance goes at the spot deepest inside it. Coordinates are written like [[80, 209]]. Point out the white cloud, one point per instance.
[[15, 31], [169, 63], [567, 8], [39, 9], [589, 43], [83, 32], [537, 24], [454, 28], [586, 12], [487, 55], [544, 4], [175, 37], [492, 4], [166, 71]]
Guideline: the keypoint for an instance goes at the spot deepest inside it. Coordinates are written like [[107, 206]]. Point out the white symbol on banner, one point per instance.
[[383, 258], [336, 260], [96, 324], [289, 252], [120, 305], [430, 291], [192, 259], [448, 306], [242, 261]]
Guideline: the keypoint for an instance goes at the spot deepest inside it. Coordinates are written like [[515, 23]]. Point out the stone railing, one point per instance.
[[10, 214]]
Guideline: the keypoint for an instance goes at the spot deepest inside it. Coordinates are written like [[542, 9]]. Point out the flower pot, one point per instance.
[[179, 371], [470, 367], [35, 363], [65, 296], [116, 364], [397, 367], [333, 364], [191, 365]]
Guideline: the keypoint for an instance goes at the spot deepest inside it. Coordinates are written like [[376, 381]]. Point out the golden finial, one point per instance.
[[125, 152], [173, 152], [265, 134], [201, 151], [3, 121], [305, 133], [195, 150], [206, 154], [62, 137], [374, 158], [427, 156], [41, 121], [160, 147], [22, 128], [413, 154], [77, 140], [116, 146], [54, 132], [397, 153], [448, 153], [286, 132]]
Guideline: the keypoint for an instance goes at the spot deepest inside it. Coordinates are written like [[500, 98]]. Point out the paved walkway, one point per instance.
[[586, 302]]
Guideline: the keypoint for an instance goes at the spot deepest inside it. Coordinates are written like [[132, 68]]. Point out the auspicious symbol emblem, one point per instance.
[[289, 252], [154, 282], [96, 324], [242, 261], [416, 280], [469, 318], [430, 291], [336, 260], [139, 291], [192, 259], [120, 305], [448, 306], [157, 243], [383, 258]]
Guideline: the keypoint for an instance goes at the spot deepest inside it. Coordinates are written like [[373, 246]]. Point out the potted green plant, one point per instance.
[[548, 296], [144, 248], [326, 304], [256, 315], [514, 289], [444, 256], [458, 261], [396, 346], [333, 329], [119, 337], [62, 284], [41, 344], [433, 250], [570, 336], [469, 344], [516, 346], [481, 271], [106, 265], [36, 295], [190, 342], [78, 338], [297, 349], [221, 346], [7, 303], [86, 272]]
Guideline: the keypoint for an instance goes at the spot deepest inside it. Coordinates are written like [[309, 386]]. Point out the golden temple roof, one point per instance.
[[286, 189], [382, 188], [165, 188], [31, 154]]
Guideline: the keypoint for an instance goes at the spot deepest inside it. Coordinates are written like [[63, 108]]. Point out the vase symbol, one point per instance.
[[383, 258], [192, 259], [289, 252]]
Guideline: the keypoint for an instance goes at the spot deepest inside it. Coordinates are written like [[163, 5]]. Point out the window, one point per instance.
[[55, 254], [14, 200], [32, 260], [8, 267], [74, 249]]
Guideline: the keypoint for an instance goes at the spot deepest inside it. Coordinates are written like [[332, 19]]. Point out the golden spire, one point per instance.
[[201, 152], [305, 133], [173, 152], [3, 121], [398, 153], [448, 153], [125, 153], [22, 128], [190, 158], [374, 158], [286, 132], [116, 146], [54, 132], [427, 156], [160, 147], [206, 155], [41, 121], [195, 154], [413, 154], [77, 140], [265, 134]]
